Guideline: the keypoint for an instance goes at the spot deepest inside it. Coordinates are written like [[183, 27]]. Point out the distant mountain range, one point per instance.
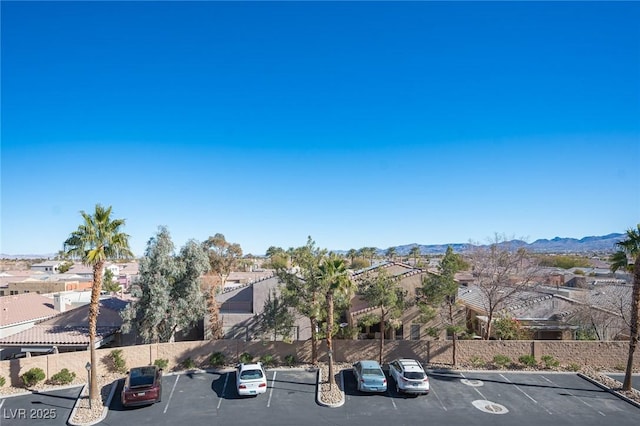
[[602, 244], [605, 243]]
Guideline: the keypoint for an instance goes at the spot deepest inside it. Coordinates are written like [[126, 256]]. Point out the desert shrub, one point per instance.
[[573, 367], [267, 360], [501, 360], [118, 364], [33, 376], [528, 360], [161, 363], [246, 358], [290, 360], [189, 363], [476, 361], [549, 361], [62, 377], [217, 359], [3, 381], [620, 367]]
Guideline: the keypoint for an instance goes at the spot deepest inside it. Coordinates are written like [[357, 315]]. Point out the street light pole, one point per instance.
[[88, 367]]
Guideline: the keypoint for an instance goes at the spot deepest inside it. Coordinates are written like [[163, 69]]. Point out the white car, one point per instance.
[[409, 376], [251, 379]]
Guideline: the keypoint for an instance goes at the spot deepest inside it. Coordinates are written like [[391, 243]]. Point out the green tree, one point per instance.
[[171, 298], [223, 258], [415, 254], [383, 292], [628, 258], [368, 253], [335, 279], [439, 292], [64, 267], [99, 238], [276, 317], [302, 288], [108, 283], [390, 253], [351, 254]]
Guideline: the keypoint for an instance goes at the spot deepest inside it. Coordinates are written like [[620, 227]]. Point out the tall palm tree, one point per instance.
[[415, 254], [335, 278], [629, 251], [391, 253], [96, 240]]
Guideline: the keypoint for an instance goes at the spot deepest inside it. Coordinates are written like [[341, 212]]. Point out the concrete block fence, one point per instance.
[[603, 355]]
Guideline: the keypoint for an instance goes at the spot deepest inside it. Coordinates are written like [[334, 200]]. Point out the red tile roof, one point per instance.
[[56, 335], [25, 307]]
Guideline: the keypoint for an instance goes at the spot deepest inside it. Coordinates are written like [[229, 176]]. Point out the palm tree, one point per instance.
[[95, 241], [351, 254], [335, 278], [629, 249], [415, 254], [390, 253]]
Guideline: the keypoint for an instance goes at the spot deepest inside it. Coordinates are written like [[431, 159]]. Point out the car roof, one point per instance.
[[410, 364], [367, 363], [254, 366]]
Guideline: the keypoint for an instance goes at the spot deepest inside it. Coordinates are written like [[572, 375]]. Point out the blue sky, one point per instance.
[[360, 123]]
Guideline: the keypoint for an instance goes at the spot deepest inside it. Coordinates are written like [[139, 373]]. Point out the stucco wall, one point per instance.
[[599, 354]]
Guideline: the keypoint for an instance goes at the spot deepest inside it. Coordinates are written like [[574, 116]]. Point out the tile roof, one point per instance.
[[56, 335], [25, 307]]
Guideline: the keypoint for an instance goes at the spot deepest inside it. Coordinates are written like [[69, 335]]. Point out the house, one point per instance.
[[409, 281], [241, 305], [49, 266], [67, 330], [43, 283]]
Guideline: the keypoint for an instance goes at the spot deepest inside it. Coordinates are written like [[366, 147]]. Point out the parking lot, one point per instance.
[[460, 398]]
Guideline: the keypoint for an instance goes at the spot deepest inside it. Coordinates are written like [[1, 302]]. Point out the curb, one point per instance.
[[105, 410], [31, 392], [319, 393], [616, 393]]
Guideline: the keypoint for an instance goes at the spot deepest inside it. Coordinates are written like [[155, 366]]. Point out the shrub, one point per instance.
[[501, 360], [246, 358], [33, 376], [118, 364], [550, 361], [573, 367], [267, 360], [189, 363], [217, 359], [290, 360], [620, 367], [161, 363], [63, 377], [3, 381], [528, 360], [476, 361]]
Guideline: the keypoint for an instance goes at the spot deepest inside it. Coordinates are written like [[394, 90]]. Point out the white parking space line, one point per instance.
[[578, 398], [475, 389], [438, 398], [524, 393], [166, 407], [391, 397], [224, 390], [273, 383]]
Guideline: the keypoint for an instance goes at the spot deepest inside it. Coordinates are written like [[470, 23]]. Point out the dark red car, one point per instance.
[[143, 386]]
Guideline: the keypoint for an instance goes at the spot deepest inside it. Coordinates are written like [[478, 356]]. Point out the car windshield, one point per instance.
[[251, 374], [414, 375], [371, 372]]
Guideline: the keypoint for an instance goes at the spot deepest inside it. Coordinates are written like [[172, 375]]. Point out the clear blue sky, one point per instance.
[[360, 124]]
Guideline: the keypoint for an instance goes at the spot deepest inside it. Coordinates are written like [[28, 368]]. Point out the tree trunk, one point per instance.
[[633, 335], [329, 336], [314, 340], [381, 334], [455, 334], [93, 323], [487, 331]]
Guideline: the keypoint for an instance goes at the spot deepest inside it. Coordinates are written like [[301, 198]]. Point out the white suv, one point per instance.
[[409, 376]]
